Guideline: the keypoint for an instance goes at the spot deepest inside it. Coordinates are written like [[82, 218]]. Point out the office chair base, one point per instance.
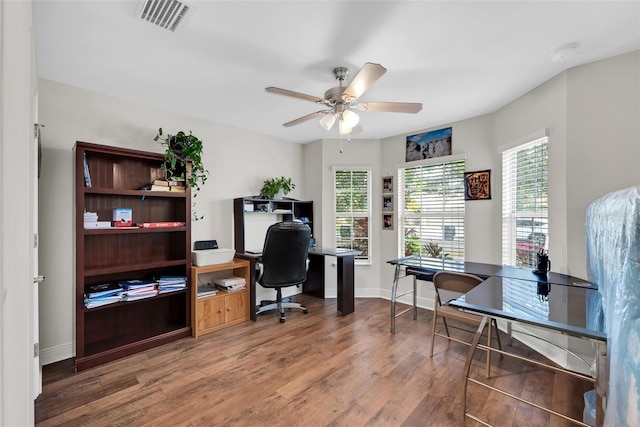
[[272, 305]]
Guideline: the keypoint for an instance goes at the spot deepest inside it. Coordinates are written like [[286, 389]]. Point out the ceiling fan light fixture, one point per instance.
[[349, 118], [327, 121]]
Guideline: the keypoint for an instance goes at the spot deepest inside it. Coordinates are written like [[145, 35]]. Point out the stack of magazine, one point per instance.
[[171, 284], [138, 289], [107, 293]]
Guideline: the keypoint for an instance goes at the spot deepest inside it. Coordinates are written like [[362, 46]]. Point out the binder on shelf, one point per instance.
[[87, 176], [98, 302], [104, 290]]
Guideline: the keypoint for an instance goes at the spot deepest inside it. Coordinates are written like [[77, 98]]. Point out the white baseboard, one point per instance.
[[57, 353]]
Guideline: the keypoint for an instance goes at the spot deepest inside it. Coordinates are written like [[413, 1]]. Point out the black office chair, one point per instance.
[[284, 263]]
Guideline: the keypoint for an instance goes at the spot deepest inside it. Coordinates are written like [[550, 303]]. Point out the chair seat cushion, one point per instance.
[[462, 316]]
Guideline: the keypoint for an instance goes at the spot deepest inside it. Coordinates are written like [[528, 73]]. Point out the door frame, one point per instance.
[[17, 76]]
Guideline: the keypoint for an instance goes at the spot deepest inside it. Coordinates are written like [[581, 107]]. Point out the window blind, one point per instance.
[[431, 204], [352, 210], [525, 203]]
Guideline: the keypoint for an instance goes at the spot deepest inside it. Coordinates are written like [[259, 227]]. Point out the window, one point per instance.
[[525, 203], [353, 211], [431, 204]]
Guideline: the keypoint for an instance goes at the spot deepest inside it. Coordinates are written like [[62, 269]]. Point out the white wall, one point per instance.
[[365, 153], [603, 140], [473, 139], [544, 107], [17, 176], [238, 160]]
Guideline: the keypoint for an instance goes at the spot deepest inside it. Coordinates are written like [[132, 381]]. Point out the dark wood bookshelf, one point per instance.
[[106, 255]]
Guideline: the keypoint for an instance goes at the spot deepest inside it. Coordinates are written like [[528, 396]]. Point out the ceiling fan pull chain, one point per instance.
[[340, 143]]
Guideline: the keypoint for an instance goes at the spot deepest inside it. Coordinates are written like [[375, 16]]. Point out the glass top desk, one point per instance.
[[520, 296], [560, 308], [424, 269]]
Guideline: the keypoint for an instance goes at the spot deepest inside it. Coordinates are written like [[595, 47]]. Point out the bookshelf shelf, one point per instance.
[[135, 230], [115, 254]]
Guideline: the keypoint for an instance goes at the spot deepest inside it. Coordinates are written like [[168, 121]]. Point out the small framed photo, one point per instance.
[[387, 221], [477, 185], [387, 202], [387, 184]]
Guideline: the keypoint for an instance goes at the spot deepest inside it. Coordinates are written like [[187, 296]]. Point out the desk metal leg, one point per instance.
[[602, 380], [394, 289], [394, 298], [467, 366]]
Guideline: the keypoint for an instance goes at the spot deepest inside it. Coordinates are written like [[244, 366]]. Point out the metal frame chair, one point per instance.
[[459, 283]]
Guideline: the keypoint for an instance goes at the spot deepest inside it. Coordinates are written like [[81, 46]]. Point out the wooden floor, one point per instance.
[[318, 369]]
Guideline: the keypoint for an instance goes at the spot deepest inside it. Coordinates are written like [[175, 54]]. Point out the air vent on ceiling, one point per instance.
[[163, 13]]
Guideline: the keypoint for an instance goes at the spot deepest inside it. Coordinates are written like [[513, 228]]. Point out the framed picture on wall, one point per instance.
[[477, 185], [387, 184], [387, 202], [427, 145], [387, 221]]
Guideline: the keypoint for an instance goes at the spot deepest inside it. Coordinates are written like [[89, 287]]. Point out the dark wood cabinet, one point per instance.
[[109, 255], [247, 208]]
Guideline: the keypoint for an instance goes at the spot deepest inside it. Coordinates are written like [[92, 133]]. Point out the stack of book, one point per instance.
[[206, 289], [91, 221], [230, 284], [138, 289], [173, 185], [103, 294], [171, 284]]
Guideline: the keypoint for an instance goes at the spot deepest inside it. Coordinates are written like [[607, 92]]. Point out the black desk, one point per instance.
[[315, 277]]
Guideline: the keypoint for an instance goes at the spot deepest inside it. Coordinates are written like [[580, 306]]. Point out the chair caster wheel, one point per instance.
[[305, 311], [282, 320]]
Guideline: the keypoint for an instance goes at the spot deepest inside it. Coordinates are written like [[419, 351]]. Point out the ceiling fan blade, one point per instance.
[[393, 107], [293, 94], [305, 118], [367, 76]]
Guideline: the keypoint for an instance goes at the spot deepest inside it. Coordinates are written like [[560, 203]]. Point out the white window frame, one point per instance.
[[360, 259], [456, 247], [513, 239]]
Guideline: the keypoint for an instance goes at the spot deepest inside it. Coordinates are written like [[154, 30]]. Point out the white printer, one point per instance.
[[206, 252]]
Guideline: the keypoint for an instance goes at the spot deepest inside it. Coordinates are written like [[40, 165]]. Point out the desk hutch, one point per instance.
[[246, 208]]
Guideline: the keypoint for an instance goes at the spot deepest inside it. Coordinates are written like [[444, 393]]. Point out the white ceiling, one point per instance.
[[459, 59]]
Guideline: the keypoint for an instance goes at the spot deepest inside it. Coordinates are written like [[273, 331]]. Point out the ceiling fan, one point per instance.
[[342, 100]]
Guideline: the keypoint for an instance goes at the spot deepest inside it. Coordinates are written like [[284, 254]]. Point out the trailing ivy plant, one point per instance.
[[179, 149]]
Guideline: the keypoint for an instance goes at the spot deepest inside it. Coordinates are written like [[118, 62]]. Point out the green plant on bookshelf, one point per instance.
[[273, 186], [179, 149]]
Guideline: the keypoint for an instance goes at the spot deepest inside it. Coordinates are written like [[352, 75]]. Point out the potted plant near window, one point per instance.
[[179, 150], [276, 188]]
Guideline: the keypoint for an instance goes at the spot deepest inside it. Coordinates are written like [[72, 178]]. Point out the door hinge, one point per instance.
[[36, 130], [36, 350]]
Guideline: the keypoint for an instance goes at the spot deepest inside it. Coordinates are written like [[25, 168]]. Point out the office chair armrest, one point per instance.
[[307, 264], [260, 268]]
